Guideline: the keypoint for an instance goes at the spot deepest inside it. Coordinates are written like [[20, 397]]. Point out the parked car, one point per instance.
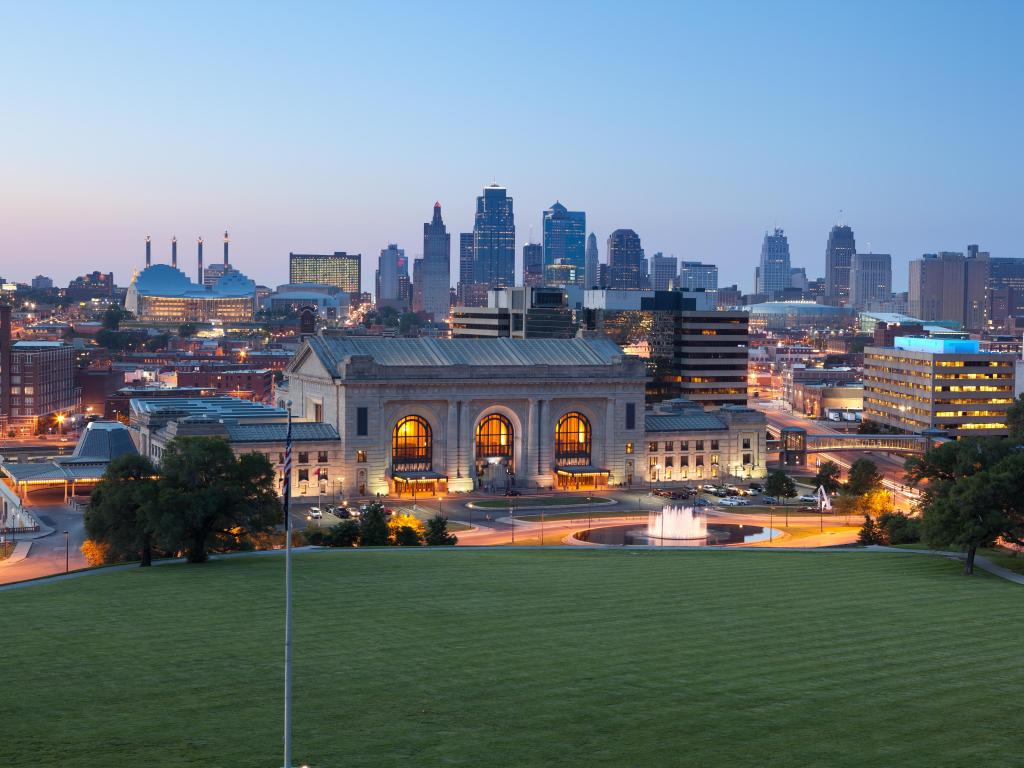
[[512, 492], [708, 488], [315, 513], [663, 492], [680, 495], [756, 487], [770, 500], [729, 502], [701, 502], [807, 498]]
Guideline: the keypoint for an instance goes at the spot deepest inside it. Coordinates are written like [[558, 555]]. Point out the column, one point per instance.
[[451, 443], [528, 460], [545, 440], [610, 436]]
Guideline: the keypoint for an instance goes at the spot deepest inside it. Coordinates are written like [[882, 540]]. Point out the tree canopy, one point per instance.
[[828, 477], [863, 478], [122, 511], [780, 485]]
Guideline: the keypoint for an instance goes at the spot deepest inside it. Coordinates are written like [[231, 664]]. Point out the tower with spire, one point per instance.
[[434, 270]]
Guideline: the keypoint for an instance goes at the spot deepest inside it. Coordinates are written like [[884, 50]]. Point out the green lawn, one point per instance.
[[521, 658], [581, 514], [537, 501]]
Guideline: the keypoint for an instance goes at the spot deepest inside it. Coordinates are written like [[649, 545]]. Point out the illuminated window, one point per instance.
[[494, 437], [361, 457], [629, 447], [411, 442], [572, 439]]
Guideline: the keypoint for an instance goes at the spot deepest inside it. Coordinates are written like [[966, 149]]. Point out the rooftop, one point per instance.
[[687, 421], [302, 431], [219, 407]]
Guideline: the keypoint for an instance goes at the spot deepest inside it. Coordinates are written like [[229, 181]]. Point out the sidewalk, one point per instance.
[[20, 553], [980, 561]]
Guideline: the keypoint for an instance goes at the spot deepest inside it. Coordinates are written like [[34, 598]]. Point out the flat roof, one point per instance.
[[938, 346], [216, 407]]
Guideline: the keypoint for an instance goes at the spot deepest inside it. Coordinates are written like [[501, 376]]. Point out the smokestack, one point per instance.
[[226, 241], [174, 251], [200, 261], [148, 254], [5, 360]]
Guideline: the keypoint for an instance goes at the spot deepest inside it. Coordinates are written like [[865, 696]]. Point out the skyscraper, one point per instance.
[[471, 292], [947, 286], [870, 279], [494, 239], [838, 256], [565, 234], [434, 274], [590, 269], [693, 276], [391, 267], [773, 273], [338, 269], [626, 265], [664, 272], [533, 265]]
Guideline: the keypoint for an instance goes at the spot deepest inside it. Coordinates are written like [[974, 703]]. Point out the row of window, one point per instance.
[[303, 457], [684, 445]]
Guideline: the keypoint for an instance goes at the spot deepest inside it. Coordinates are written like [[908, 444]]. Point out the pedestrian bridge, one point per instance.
[[793, 443]]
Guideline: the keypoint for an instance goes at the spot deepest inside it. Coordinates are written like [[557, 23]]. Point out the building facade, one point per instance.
[[627, 268], [518, 313], [432, 281], [695, 276], [946, 384], [164, 294], [340, 269], [427, 416], [949, 286], [664, 272], [870, 279], [590, 279], [565, 234], [533, 265], [494, 239], [772, 275], [839, 251]]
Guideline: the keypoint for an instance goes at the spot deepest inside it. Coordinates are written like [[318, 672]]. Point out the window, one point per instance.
[[362, 422], [746, 443], [699, 461], [321, 474], [714, 470], [714, 445], [303, 475], [572, 439], [652, 447], [746, 459], [700, 445], [652, 462], [629, 448], [668, 446], [494, 437], [684, 461], [630, 415], [303, 457], [360, 457], [714, 458], [412, 443], [321, 457], [280, 458], [669, 462], [684, 445], [318, 412]]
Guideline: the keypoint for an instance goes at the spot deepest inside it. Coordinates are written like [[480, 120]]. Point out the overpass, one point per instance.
[[793, 443]]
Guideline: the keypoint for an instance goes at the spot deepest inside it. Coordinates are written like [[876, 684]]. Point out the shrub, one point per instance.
[[898, 528], [407, 536], [869, 532], [437, 534]]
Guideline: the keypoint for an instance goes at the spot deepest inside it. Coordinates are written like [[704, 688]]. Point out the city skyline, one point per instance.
[[102, 154]]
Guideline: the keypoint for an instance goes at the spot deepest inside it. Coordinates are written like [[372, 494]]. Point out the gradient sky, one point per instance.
[[317, 127]]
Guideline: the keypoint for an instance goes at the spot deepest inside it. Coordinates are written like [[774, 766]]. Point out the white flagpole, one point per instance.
[[288, 592]]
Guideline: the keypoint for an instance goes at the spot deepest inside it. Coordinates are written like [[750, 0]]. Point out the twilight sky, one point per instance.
[[318, 127]]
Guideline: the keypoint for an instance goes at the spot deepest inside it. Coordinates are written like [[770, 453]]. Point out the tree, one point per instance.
[[898, 528], [407, 536], [344, 534], [373, 529], [869, 532], [436, 534], [828, 477], [780, 485], [1015, 420], [113, 318], [397, 522], [185, 330], [208, 497], [120, 519], [863, 478]]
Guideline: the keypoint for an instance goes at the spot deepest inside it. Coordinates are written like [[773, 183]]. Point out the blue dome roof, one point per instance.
[[234, 283], [164, 280]]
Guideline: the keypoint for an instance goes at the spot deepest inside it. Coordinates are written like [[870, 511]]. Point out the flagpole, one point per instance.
[[288, 592]]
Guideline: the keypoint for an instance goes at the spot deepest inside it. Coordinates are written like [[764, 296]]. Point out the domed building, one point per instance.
[[164, 294]]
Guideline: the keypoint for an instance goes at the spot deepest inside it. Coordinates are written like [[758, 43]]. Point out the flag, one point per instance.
[[288, 479]]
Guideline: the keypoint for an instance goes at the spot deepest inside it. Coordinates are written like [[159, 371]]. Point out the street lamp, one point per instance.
[[67, 552]]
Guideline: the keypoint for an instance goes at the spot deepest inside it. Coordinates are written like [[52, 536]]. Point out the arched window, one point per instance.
[[572, 439], [494, 437], [411, 442]]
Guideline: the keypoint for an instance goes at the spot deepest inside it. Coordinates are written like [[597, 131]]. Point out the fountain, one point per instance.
[[683, 524]]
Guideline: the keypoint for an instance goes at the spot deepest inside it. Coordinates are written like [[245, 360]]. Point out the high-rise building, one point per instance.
[[966, 391], [870, 279], [391, 266], [664, 272], [695, 276], [565, 234], [798, 278], [432, 273], [533, 265], [948, 286], [466, 276], [590, 279], [1006, 278], [340, 269], [494, 239], [41, 283], [519, 313], [838, 256], [627, 268], [772, 274]]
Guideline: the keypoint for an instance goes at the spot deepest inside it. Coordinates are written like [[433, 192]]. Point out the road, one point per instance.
[[47, 554]]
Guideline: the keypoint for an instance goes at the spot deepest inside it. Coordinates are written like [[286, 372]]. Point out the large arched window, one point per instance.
[[572, 439], [494, 437], [411, 443]]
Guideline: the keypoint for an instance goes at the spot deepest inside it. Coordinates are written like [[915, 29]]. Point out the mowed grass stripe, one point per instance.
[[511, 658]]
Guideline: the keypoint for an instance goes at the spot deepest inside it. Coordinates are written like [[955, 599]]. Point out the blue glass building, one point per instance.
[[565, 240]]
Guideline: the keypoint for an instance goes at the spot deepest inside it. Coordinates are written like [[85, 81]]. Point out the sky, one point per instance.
[[315, 127]]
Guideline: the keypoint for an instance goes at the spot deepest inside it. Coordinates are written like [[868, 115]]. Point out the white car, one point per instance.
[[808, 498], [315, 513], [730, 501]]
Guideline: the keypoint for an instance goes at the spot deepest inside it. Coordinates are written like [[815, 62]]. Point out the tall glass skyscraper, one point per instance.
[[565, 234], [838, 256], [773, 273], [626, 265], [435, 270], [590, 271], [494, 239], [533, 265]]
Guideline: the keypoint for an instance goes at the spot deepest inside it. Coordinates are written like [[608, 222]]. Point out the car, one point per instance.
[[707, 488], [680, 495], [512, 492], [701, 502], [741, 502], [770, 500], [756, 487], [729, 502], [807, 498], [661, 492], [315, 513]]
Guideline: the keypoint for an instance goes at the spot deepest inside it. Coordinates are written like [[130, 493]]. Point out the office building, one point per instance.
[[696, 276], [564, 239], [945, 384], [590, 279], [839, 251], [518, 313], [41, 283], [870, 279], [432, 273], [798, 279], [949, 286], [494, 239], [391, 289], [772, 274], [1005, 289], [664, 272], [627, 268], [533, 265], [340, 269], [95, 285]]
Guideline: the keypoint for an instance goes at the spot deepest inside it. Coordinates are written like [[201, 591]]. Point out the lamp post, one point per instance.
[[67, 552], [288, 593], [512, 521], [590, 513]]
